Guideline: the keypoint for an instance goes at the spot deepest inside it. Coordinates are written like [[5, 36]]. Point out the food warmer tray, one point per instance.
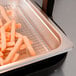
[[49, 42]]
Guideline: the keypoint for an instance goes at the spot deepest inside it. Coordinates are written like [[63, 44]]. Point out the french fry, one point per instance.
[[1, 24], [18, 25], [3, 39], [10, 12], [15, 58], [13, 31], [6, 54], [10, 44], [9, 49], [7, 26], [18, 35], [22, 47], [3, 13], [29, 47], [7, 40], [13, 51], [1, 61], [8, 35], [1, 54]]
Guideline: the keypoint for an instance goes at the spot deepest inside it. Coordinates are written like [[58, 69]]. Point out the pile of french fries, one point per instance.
[[11, 41]]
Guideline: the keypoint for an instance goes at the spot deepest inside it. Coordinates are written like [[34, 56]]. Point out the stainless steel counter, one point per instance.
[[65, 16]]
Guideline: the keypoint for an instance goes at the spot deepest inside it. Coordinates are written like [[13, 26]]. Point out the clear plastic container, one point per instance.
[[47, 39]]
